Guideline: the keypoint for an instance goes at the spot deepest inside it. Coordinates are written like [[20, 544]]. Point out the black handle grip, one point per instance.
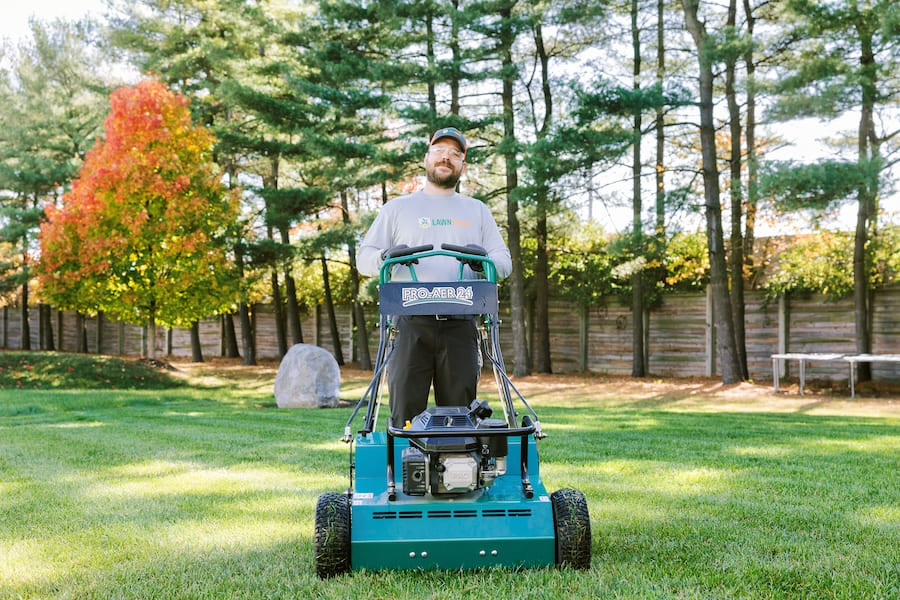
[[408, 251], [464, 249]]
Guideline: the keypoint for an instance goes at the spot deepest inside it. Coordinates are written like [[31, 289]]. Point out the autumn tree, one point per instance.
[[202, 49], [139, 237]]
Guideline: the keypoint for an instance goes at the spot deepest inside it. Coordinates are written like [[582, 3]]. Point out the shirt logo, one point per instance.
[[428, 222], [412, 296]]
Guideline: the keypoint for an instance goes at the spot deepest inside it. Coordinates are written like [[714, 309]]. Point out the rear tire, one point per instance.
[[573, 529], [332, 535]]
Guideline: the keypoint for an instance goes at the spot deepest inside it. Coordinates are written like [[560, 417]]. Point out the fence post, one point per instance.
[[710, 334], [99, 337], [352, 343], [583, 313], [784, 330]]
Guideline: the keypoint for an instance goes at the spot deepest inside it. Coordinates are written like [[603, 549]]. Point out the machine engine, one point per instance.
[[455, 464]]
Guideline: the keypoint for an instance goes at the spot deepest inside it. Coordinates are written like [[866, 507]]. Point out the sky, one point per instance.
[[805, 135], [14, 23]]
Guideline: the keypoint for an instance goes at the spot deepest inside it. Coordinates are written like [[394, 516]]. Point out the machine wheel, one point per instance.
[[332, 536], [573, 529]]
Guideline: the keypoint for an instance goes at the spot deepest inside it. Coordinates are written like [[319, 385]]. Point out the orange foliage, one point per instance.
[[136, 235]]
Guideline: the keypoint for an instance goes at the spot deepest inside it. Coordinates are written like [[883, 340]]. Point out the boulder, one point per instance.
[[308, 377]]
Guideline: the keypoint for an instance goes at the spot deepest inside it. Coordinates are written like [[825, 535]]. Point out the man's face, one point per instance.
[[444, 163]]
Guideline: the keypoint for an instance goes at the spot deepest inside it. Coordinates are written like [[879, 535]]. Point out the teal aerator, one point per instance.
[[459, 488]]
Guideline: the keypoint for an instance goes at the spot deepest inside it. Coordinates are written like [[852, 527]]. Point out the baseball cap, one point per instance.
[[450, 132]]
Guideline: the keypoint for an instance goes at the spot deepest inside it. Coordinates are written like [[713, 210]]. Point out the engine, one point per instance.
[[454, 464]]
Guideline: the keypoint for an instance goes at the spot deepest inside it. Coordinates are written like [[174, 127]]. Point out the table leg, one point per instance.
[[775, 374], [802, 375], [852, 378]]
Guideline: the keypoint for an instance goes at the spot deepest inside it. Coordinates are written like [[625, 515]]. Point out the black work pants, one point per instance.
[[429, 350]]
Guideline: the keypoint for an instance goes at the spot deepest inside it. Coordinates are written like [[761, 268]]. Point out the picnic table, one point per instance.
[[803, 357], [870, 358], [850, 359]]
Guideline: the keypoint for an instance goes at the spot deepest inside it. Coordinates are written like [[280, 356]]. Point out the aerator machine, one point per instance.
[[459, 487]]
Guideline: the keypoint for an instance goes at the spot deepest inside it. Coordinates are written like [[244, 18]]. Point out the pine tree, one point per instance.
[[722, 307], [53, 105], [845, 60]]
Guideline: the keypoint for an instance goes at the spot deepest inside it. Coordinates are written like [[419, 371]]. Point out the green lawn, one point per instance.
[[188, 492]]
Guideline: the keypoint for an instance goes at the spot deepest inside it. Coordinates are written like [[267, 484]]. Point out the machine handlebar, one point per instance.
[[464, 249], [398, 252]]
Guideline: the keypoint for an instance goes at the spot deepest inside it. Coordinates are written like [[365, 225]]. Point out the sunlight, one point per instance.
[[883, 516], [694, 481], [25, 561], [76, 425], [165, 478], [644, 476], [225, 537], [763, 451]]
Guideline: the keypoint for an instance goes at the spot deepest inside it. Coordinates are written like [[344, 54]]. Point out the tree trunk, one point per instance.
[[731, 371], [151, 334], [430, 59], [866, 197], [332, 317], [247, 334], [196, 349], [248, 341], [638, 368], [737, 202], [290, 291], [660, 136], [541, 321], [46, 327], [517, 277], [230, 345], [25, 342], [278, 307], [752, 159], [80, 334], [360, 332], [454, 79]]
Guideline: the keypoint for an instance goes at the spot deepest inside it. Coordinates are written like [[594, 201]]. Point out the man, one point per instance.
[[442, 350]]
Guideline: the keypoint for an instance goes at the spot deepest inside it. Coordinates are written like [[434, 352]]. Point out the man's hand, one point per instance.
[[390, 252], [476, 265]]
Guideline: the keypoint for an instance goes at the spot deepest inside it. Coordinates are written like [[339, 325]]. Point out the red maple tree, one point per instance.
[[141, 234]]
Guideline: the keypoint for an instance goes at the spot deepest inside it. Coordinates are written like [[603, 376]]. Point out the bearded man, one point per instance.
[[438, 350]]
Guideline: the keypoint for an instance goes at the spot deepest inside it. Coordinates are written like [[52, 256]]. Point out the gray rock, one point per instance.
[[308, 377]]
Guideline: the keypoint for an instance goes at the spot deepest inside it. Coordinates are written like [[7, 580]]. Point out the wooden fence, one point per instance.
[[681, 336]]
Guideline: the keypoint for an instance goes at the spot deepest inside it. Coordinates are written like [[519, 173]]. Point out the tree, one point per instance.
[[141, 235], [560, 31], [846, 60], [203, 48], [53, 106], [507, 31], [728, 357]]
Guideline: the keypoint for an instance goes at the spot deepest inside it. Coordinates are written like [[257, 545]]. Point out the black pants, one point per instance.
[[428, 350]]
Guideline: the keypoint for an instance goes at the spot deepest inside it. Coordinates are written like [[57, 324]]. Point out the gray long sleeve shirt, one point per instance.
[[418, 219]]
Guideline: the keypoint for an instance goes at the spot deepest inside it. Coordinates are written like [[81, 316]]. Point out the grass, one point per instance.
[[207, 491]]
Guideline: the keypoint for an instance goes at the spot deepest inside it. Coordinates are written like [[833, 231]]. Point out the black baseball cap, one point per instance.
[[450, 132]]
